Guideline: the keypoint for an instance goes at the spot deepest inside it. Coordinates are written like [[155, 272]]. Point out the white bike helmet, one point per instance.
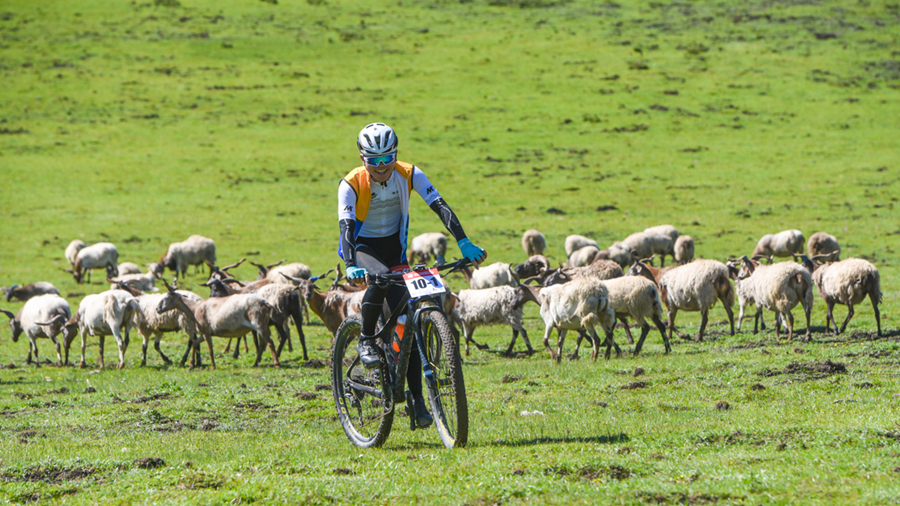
[[377, 139]]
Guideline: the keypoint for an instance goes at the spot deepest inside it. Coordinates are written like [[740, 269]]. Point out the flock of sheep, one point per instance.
[[598, 287]]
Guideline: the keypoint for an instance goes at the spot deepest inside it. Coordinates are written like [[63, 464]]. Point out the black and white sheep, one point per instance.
[[500, 305], [782, 244], [579, 304], [533, 242], [696, 287], [44, 316], [23, 293]]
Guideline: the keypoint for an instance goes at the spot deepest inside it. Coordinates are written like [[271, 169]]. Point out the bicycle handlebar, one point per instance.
[[374, 279]]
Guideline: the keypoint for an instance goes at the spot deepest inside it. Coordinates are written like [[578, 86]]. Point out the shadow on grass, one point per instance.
[[611, 439]]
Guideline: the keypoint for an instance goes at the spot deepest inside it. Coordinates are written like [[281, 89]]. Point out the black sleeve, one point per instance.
[[448, 218], [348, 244]]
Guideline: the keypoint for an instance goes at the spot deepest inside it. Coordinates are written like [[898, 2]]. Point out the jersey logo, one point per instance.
[[430, 190], [348, 208], [374, 196]]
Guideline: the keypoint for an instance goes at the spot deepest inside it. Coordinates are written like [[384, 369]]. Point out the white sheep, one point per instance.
[[533, 242], [822, 243], [583, 256], [848, 282], [195, 250], [696, 287], [579, 304], [500, 305], [575, 242], [44, 316], [102, 255], [72, 251], [667, 230], [637, 298], [779, 288], [23, 293], [782, 244], [647, 244], [107, 313], [684, 249], [426, 246], [128, 268], [496, 274]]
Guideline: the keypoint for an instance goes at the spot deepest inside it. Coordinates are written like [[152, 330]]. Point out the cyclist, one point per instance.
[[373, 213]]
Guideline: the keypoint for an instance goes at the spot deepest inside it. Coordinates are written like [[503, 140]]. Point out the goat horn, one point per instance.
[[232, 280], [532, 278], [820, 257], [168, 286], [316, 278], [8, 313], [296, 280], [232, 266], [276, 264]]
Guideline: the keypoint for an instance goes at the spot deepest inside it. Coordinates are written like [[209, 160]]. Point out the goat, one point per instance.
[[156, 324], [231, 316], [533, 242], [273, 272], [782, 244], [23, 293], [107, 313], [696, 287], [96, 256], [494, 306], [580, 303], [44, 316]]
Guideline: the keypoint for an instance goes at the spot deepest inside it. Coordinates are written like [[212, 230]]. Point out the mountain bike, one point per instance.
[[366, 399]]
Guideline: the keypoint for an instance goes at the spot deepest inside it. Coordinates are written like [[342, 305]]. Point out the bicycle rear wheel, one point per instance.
[[362, 396], [447, 393]]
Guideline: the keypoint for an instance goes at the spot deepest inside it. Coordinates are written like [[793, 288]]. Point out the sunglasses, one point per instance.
[[375, 161]]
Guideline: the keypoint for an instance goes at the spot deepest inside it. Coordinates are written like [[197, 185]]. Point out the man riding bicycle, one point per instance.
[[373, 213]]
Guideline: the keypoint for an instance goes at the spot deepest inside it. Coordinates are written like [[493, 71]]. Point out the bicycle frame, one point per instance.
[[397, 373]]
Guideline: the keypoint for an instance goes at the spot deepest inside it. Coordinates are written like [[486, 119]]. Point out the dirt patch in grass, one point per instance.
[[149, 463], [591, 473], [635, 386], [33, 497], [509, 378], [48, 474], [323, 386], [142, 399], [809, 370], [316, 363], [682, 498], [200, 481]]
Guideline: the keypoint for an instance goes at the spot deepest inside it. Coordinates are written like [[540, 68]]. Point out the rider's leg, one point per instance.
[[369, 257], [414, 369]]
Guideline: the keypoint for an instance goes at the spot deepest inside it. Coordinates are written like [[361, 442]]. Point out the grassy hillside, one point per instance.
[[142, 123]]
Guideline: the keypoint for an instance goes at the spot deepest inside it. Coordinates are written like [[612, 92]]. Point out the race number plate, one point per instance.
[[421, 283]]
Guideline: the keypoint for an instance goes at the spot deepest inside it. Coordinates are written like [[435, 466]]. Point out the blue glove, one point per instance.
[[470, 251], [355, 273]]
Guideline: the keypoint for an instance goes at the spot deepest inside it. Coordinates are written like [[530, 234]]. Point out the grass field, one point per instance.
[[142, 123]]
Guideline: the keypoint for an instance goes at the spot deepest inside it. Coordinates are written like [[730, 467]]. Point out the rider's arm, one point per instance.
[[431, 197], [347, 222]]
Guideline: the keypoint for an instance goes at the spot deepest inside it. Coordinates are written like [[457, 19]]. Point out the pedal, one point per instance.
[[410, 411]]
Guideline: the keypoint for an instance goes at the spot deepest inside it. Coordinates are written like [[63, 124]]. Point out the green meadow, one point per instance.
[[141, 123]]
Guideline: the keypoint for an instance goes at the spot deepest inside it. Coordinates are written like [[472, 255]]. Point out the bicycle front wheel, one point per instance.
[[447, 392], [362, 396]]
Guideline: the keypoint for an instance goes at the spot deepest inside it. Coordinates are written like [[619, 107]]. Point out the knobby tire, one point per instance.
[[366, 420], [449, 406]]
